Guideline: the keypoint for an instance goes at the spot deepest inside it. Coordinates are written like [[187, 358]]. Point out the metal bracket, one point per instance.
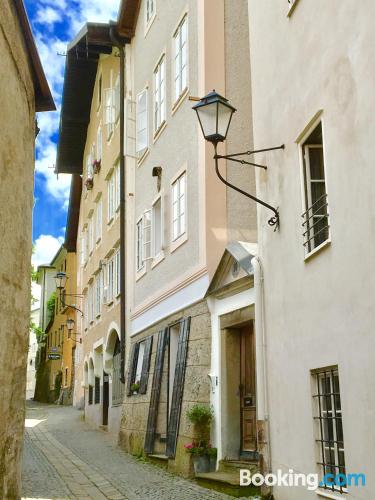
[[273, 221]]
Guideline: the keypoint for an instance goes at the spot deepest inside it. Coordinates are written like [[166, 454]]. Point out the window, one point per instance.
[[110, 112], [180, 59], [86, 311], [91, 303], [315, 218], [100, 85], [147, 235], [111, 197], [89, 167], [178, 207], [159, 97], [328, 418], [117, 98], [142, 122], [90, 394], [97, 390], [150, 10], [110, 280], [139, 240], [99, 144], [83, 247], [117, 290], [141, 352], [157, 228], [98, 220], [117, 186], [117, 385], [98, 293], [91, 235]]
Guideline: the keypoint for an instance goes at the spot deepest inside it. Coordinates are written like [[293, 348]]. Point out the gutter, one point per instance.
[[118, 44]]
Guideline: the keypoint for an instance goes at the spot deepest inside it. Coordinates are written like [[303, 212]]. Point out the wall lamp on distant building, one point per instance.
[[70, 326], [61, 279], [215, 115]]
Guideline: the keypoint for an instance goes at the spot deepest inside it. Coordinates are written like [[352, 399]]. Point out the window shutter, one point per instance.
[[142, 122], [146, 365], [132, 367], [155, 391], [178, 388]]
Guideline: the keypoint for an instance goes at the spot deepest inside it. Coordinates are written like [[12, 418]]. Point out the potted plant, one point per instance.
[[204, 456], [89, 183], [135, 388], [96, 166]]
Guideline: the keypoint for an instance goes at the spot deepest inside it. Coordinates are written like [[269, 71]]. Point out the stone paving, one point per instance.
[[64, 458]]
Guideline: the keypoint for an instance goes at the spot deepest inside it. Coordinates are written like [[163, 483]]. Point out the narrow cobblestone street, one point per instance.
[[64, 458]]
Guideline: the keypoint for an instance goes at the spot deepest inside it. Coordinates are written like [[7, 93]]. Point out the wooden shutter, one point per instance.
[[132, 367], [146, 365], [155, 391], [178, 388]]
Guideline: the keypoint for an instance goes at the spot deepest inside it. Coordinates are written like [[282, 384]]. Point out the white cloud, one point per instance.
[[47, 15], [45, 248], [93, 11], [57, 186]]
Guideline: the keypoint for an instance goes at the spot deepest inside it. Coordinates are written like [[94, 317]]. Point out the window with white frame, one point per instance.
[[179, 207], [91, 235], [150, 10], [315, 221], [89, 167], [117, 98], [98, 293], [157, 228], [86, 312], [99, 144], [147, 235], [142, 121], [110, 280], [159, 94], [98, 219], [83, 248], [91, 303], [111, 186], [328, 424], [110, 112], [117, 186], [117, 289], [180, 59], [141, 352], [139, 244], [87, 243]]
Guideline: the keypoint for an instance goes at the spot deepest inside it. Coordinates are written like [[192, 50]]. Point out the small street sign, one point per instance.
[[54, 356]]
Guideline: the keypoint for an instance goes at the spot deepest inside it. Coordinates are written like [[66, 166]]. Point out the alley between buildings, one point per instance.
[[64, 458]]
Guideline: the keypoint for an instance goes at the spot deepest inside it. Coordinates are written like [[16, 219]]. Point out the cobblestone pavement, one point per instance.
[[64, 458]]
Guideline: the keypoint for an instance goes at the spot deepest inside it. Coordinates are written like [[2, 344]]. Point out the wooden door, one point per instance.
[[248, 394]]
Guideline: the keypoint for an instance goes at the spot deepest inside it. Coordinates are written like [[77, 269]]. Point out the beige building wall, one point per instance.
[[99, 329], [317, 62], [17, 104]]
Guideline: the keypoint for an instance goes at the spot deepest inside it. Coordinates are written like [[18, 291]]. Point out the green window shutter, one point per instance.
[[132, 367], [155, 391], [178, 388], [146, 365]]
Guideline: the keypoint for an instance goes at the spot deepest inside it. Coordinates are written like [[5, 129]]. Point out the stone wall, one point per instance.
[[196, 389], [16, 197]]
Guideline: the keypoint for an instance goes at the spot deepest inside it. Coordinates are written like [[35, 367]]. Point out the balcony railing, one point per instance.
[[315, 224]]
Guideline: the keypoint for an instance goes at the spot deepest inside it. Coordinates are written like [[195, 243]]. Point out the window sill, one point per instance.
[[180, 241], [140, 273], [143, 156], [109, 223], [180, 100], [327, 494], [159, 258], [317, 250], [149, 24], [159, 131], [292, 8]]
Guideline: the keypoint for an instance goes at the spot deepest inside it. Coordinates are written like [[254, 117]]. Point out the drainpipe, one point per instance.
[[261, 368], [118, 43]]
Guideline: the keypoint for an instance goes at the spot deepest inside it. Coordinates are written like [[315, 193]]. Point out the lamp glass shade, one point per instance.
[[70, 324], [60, 279], [214, 114]]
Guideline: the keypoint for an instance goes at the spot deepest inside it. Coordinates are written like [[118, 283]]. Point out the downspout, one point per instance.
[[261, 368], [118, 44]]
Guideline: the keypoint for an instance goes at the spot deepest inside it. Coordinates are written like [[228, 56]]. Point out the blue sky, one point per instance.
[[54, 24]]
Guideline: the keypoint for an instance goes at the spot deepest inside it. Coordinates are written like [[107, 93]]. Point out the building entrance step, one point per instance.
[[227, 482]]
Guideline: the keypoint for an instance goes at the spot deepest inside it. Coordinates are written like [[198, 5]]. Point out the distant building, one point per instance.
[[33, 348], [23, 91]]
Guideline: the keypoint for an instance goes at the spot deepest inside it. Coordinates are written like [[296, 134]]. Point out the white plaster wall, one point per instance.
[[320, 312]]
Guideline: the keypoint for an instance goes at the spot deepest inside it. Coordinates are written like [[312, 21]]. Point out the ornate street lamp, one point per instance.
[[70, 326], [60, 280], [215, 115]]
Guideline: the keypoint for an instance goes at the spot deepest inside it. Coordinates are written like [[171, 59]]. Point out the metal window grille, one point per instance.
[[97, 390], [90, 394], [329, 420]]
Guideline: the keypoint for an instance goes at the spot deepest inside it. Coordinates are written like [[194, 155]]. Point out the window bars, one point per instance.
[[330, 430], [315, 224]]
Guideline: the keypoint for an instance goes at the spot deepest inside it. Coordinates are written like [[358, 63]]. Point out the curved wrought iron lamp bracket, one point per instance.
[[273, 221]]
